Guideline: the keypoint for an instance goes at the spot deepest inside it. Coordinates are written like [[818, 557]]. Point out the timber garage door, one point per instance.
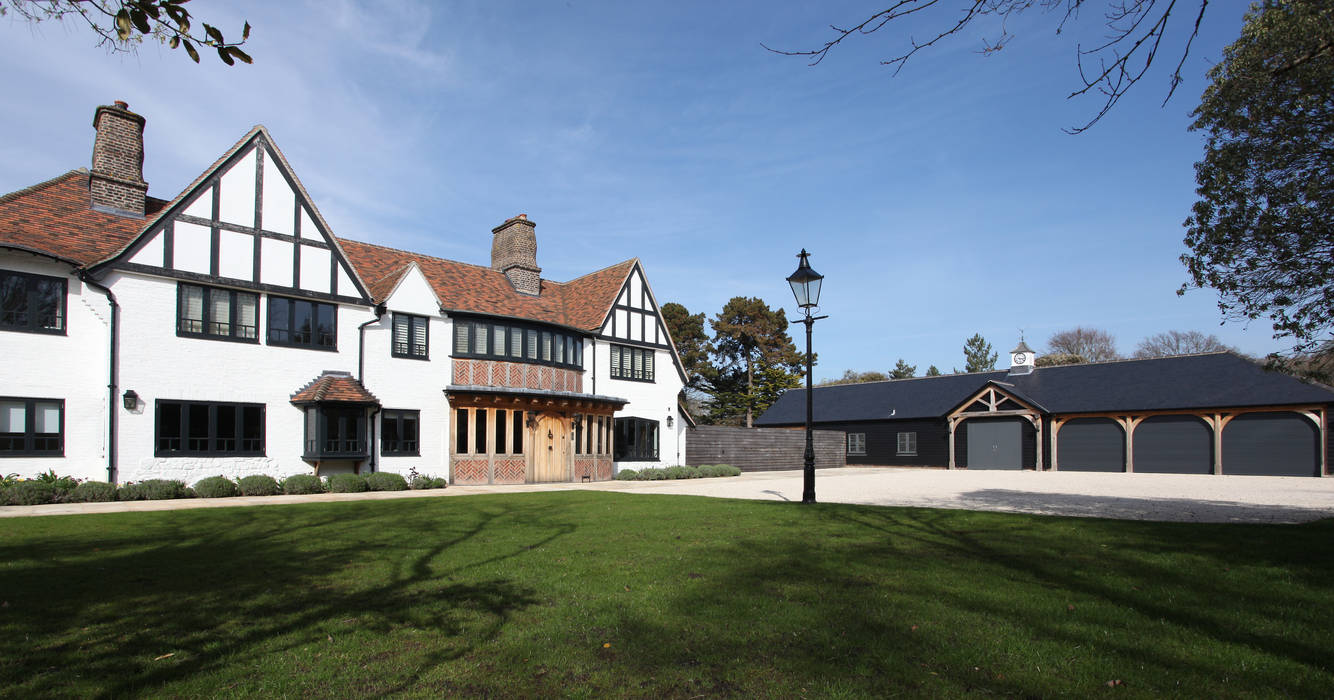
[[1271, 444], [995, 444], [1091, 445], [1172, 445]]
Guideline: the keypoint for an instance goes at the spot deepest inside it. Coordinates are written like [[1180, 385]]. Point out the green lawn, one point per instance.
[[598, 594]]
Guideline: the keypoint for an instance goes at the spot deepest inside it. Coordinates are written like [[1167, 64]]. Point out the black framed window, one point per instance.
[[635, 364], [411, 336], [32, 427], [32, 303], [517, 432], [398, 433], [335, 432], [221, 314], [303, 323], [517, 342], [636, 440], [856, 443], [198, 428], [907, 444], [461, 431]]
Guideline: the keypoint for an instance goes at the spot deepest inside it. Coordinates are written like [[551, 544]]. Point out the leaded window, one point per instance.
[[907, 444], [857, 443]]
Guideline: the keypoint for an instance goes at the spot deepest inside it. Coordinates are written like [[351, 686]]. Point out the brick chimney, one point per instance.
[[514, 252], [117, 180]]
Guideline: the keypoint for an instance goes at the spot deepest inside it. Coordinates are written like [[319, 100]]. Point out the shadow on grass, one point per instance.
[[259, 583], [1128, 508]]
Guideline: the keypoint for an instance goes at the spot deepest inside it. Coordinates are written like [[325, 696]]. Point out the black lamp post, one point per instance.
[[806, 287]]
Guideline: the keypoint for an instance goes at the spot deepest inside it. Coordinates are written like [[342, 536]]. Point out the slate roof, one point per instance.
[[581, 303], [1213, 380], [56, 218], [334, 387]]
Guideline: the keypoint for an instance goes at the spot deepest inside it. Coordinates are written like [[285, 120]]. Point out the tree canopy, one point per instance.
[[756, 359], [1171, 343], [1262, 232], [692, 343], [1128, 44], [1090, 344], [121, 25], [903, 370], [852, 376], [977, 354]]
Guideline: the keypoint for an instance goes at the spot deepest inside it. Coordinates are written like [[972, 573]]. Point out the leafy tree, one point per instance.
[[977, 354], [1261, 232], [1316, 366], [750, 340], [852, 376], [1091, 344], [1179, 343], [1121, 56], [692, 343], [1057, 359], [121, 25], [932, 371], [737, 397], [903, 370]]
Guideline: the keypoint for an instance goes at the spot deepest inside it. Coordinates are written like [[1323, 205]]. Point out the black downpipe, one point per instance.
[[112, 378], [361, 371]]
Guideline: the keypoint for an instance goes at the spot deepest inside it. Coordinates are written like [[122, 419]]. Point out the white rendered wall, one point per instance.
[[651, 400], [408, 384], [73, 367], [157, 364]]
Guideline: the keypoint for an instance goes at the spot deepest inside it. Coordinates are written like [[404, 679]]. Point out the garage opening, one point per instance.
[[1091, 445], [1174, 445], [995, 444], [1271, 444]]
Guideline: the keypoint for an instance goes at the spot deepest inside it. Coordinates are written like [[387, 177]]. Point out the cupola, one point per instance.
[[1022, 359]]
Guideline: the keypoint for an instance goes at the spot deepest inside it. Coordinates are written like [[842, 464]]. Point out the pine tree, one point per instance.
[[977, 354], [903, 370], [932, 371], [755, 356]]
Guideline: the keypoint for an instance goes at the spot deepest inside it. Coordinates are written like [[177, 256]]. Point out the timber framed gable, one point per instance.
[[634, 318], [246, 222], [994, 401]]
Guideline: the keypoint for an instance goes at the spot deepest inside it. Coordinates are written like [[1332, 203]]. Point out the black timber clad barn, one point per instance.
[[1215, 413]]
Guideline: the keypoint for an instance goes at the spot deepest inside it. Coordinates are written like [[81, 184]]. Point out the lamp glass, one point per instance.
[[805, 283]]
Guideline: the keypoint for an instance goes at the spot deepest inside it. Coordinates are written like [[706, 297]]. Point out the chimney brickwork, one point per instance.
[[117, 177], [514, 252]]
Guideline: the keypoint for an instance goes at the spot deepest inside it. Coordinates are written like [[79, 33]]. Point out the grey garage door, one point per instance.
[[1173, 445], [995, 444], [1091, 445], [1271, 444]]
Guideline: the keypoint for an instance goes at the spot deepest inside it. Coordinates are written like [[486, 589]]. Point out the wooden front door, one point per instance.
[[551, 443]]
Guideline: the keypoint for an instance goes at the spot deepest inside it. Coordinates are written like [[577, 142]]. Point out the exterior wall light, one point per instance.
[[130, 399]]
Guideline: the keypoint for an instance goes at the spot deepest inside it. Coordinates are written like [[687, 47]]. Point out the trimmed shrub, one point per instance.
[[93, 491], [303, 483], [708, 471], [627, 475], [652, 474], [258, 485], [347, 483], [386, 481], [682, 472], [439, 482], [31, 493], [422, 481], [728, 470], [216, 487], [153, 490]]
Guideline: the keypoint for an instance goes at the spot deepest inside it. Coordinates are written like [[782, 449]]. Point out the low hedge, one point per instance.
[[303, 483], [386, 481], [347, 483], [627, 475], [678, 472], [421, 481], [216, 487], [258, 485], [30, 493], [93, 491], [153, 490]]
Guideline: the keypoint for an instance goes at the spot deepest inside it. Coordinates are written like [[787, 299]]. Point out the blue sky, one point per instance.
[[940, 203]]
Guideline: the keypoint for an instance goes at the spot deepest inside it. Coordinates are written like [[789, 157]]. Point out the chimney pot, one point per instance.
[[514, 252], [122, 104]]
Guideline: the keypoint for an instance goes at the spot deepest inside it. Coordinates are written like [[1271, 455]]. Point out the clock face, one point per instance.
[[1020, 358]]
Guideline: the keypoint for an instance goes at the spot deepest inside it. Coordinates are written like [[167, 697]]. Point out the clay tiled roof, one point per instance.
[[335, 387], [56, 218], [580, 303]]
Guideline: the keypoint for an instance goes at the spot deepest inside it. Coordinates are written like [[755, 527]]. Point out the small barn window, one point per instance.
[[856, 443], [907, 444]]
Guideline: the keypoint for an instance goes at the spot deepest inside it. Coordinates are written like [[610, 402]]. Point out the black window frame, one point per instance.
[[30, 299], [523, 342], [290, 332], [621, 363], [29, 436], [856, 444], [409, 350], [322, 446], [400, 446], [232, 321], [632, 437], [215, 446]]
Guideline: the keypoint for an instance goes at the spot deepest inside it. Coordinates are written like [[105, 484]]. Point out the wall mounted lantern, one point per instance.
[[130, 399]]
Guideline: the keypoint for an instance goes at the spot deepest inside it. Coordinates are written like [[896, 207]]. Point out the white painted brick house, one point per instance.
[[229, 331]]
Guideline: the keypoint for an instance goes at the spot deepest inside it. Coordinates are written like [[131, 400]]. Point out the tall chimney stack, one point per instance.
[[514, 252], [117, 180]]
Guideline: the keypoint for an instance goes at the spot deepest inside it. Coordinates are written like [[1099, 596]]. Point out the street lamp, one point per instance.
[[806, 288]]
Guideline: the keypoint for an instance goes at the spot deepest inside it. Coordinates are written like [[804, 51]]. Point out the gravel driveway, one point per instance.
[[1168, 497]]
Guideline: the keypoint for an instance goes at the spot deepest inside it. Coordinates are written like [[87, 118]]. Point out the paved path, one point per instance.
[[1218, 499]]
